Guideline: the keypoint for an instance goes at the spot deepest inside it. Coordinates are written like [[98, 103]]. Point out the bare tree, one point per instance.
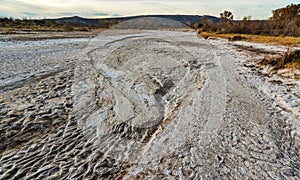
[[226, 15]]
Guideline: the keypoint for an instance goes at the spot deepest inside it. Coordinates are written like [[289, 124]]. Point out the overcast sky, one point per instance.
[[258, 9]]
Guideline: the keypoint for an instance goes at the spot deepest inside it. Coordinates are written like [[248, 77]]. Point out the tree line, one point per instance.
[[11, 24], [284, 22]]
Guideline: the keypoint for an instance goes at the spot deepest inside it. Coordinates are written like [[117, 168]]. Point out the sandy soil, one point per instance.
[[146, 105]]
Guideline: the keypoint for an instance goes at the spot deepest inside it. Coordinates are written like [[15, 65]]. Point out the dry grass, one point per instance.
[[276, 40], [290, 60], [293, 65]]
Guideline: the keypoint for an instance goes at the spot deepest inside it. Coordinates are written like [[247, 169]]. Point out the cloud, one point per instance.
[[105, 15], [28, 14], [67, 14], [100, 14], [116, 15], [107, 8]]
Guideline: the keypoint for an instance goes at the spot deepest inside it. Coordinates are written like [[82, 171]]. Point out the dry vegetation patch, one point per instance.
[[276, 40], [287, 64], [290, 59]]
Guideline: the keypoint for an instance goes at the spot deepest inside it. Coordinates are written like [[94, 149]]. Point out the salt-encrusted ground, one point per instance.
[[144, 104]]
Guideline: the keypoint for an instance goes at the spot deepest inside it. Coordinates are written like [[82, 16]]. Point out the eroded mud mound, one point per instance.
[[132, 91]]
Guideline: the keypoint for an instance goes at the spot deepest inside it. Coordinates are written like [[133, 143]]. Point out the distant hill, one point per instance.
[[76, 20], [153, 23], [77, 23]]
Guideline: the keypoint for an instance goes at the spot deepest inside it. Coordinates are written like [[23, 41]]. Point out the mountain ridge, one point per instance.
[[78, 20]]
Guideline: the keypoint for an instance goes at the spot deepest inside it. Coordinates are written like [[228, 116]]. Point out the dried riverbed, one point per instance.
[[142, 104]]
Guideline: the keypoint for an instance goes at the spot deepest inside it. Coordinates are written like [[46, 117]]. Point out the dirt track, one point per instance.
[[143, 104]]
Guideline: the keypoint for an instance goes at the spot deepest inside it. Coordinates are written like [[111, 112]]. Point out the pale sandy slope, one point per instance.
[[154, 104]]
